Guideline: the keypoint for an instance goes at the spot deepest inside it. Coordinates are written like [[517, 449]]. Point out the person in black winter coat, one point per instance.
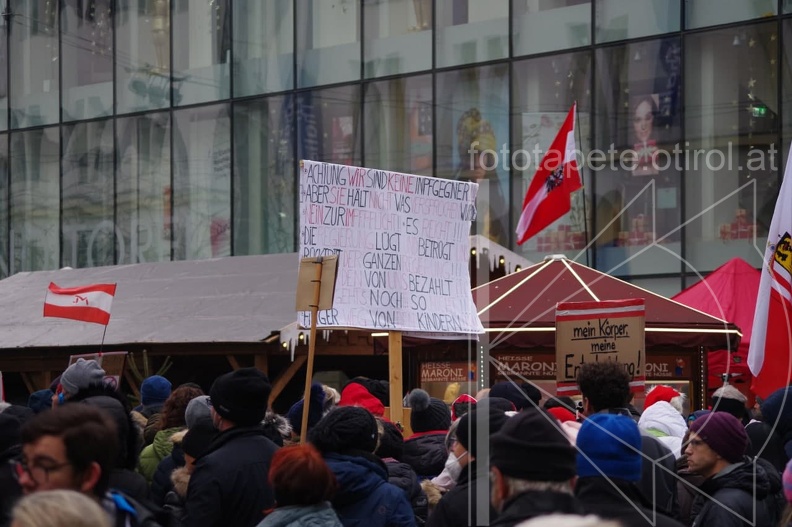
[[734, 486], [608, 466], [457, 508], [425, 450], [229, 484], [10, 449], [390, 448]]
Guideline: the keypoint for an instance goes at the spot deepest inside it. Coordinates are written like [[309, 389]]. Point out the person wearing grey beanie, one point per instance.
[[198, 412], [80, 375]]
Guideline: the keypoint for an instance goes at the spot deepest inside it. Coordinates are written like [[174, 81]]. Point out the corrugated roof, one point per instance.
[[239, 299]]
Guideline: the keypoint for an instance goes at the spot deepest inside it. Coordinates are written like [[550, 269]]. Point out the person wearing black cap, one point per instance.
[[390, 448], [605, 387], [229, 484], [458, 506], [532, 466]]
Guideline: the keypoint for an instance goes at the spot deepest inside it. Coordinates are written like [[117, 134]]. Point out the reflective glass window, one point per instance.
[[34, 87], [637, 171], [623, 19], [4, 207], [143, 188], [201, 51], [550, 25], [328, 125], [263, 46], [201, 183], [4, 75], [399, 132], [143, 56], [731, 125], [328, 42], [87, 55], [469, 31], [398, 36], [34, 166], [544, 90], [88, 230], [264, 180], [472, 135], [701, 13]]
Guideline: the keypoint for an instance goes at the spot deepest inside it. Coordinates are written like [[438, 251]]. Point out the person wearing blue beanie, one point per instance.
[[315, 410], [608, 466], [40, 400]]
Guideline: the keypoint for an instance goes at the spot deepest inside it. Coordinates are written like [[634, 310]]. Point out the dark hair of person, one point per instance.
[[88, 434], [176, 404], [605, 384], [299, 476]]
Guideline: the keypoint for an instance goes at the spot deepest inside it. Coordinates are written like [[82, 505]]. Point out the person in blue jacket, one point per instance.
[[347, 438]]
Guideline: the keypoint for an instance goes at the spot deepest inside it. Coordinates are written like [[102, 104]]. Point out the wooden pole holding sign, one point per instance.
[[311, 296], [395, 376]]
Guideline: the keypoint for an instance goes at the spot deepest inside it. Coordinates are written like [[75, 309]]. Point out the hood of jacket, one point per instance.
[[740, 476], [357, 476], [403, 476], [163, 445], [319, 515], [181, 480], [663, 417], [426, 454]]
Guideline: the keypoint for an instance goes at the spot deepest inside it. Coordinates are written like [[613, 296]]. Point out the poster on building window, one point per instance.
[[403, 248], [611, 330]]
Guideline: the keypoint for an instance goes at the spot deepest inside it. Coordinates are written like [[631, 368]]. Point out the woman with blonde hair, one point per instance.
[[59, 508]]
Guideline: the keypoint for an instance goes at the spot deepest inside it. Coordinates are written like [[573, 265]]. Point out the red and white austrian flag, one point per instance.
[[90, 303]]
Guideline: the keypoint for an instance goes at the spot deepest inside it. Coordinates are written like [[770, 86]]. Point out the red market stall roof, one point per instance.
[[729, 292], [519, 309]]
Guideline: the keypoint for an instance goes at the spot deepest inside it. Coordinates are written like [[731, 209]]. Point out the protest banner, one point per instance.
[[403, 248], [610, 330]]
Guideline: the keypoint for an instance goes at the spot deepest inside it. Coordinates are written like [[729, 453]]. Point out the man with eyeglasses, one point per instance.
[[73, 447], [735, 485]]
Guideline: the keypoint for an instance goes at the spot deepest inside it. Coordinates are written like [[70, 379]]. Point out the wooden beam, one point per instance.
[[46, 379], [395, 376], [233, 362], [28, 380], [261, 363], [132, 383], [286, 376]]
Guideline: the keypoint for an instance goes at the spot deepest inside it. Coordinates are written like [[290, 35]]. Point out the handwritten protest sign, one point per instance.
[[402, 243], [600, 331]]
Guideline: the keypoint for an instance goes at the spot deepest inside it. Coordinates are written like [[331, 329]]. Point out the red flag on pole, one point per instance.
[[770, 351], [90, 303], [549, 195]]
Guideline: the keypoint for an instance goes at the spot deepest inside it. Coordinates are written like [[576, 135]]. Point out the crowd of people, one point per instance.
[[79, 455]]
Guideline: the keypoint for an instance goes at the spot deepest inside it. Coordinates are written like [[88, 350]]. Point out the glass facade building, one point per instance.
[[155, 130]]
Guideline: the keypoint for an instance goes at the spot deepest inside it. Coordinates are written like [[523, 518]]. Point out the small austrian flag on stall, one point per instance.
[[90, 303]]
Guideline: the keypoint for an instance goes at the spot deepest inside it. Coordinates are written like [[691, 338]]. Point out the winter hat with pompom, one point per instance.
[[428, 413]]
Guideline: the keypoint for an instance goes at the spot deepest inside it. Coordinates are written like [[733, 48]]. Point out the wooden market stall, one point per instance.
[[518, 313]]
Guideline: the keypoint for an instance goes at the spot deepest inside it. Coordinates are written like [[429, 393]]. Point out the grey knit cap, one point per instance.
[[81, 375]]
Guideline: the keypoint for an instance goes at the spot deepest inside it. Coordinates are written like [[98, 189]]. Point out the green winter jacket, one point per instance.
[[156, 452]]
